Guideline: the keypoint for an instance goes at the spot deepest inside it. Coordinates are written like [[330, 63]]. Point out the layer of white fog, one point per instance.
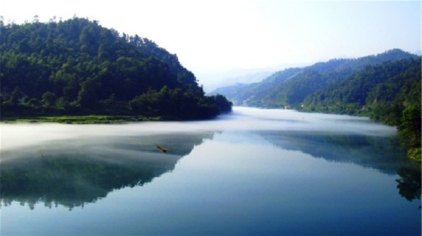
[[241, 119]]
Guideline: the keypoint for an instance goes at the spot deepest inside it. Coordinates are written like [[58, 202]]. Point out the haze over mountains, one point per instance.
[[214, 79]]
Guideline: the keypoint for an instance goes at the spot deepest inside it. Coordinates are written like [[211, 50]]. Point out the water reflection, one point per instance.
[[409, 184], [78, 171], [380, 153], [266, 173]]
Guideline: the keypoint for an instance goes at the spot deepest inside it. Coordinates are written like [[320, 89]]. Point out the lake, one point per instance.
[[252, 172]]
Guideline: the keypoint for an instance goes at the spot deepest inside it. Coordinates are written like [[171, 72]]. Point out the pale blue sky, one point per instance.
[[218, 35]]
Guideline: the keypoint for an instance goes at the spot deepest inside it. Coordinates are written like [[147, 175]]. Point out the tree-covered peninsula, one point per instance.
[[77, 68]]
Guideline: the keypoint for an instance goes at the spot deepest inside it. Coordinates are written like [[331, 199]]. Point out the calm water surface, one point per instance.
[[254, 172]]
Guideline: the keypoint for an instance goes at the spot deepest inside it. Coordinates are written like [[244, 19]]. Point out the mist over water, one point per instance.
[[241, 119]]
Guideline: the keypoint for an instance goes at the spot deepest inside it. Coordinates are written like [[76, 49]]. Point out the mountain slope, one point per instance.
[[290, 87], [78, 67], [245, 94]]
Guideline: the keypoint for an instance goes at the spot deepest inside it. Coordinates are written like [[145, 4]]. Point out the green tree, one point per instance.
[[48, 99]]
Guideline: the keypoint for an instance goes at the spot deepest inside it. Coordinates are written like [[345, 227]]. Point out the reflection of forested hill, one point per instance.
[[75, 172], [380, 153]]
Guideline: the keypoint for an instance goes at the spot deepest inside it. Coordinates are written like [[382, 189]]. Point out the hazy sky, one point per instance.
[[221, 35]]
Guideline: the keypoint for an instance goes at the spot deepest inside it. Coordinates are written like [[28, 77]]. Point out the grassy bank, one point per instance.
[[88, 119]]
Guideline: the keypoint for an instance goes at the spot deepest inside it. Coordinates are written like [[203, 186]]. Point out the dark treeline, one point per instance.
[[77, 67]]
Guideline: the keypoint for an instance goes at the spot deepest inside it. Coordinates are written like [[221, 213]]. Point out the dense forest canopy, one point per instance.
[[77, 67]]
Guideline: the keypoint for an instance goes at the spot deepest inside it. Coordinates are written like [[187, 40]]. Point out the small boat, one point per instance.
[[161, 148]]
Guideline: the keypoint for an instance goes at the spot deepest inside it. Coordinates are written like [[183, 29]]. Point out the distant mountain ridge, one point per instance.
[[290, 87]]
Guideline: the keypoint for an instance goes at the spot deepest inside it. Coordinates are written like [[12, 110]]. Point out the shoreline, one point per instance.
[[83, 119]]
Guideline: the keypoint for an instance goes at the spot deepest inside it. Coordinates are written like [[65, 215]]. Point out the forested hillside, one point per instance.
[[290, 87], [77, 67]]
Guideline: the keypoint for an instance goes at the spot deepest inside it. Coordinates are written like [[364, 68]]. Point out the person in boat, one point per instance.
[[161, 148]]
